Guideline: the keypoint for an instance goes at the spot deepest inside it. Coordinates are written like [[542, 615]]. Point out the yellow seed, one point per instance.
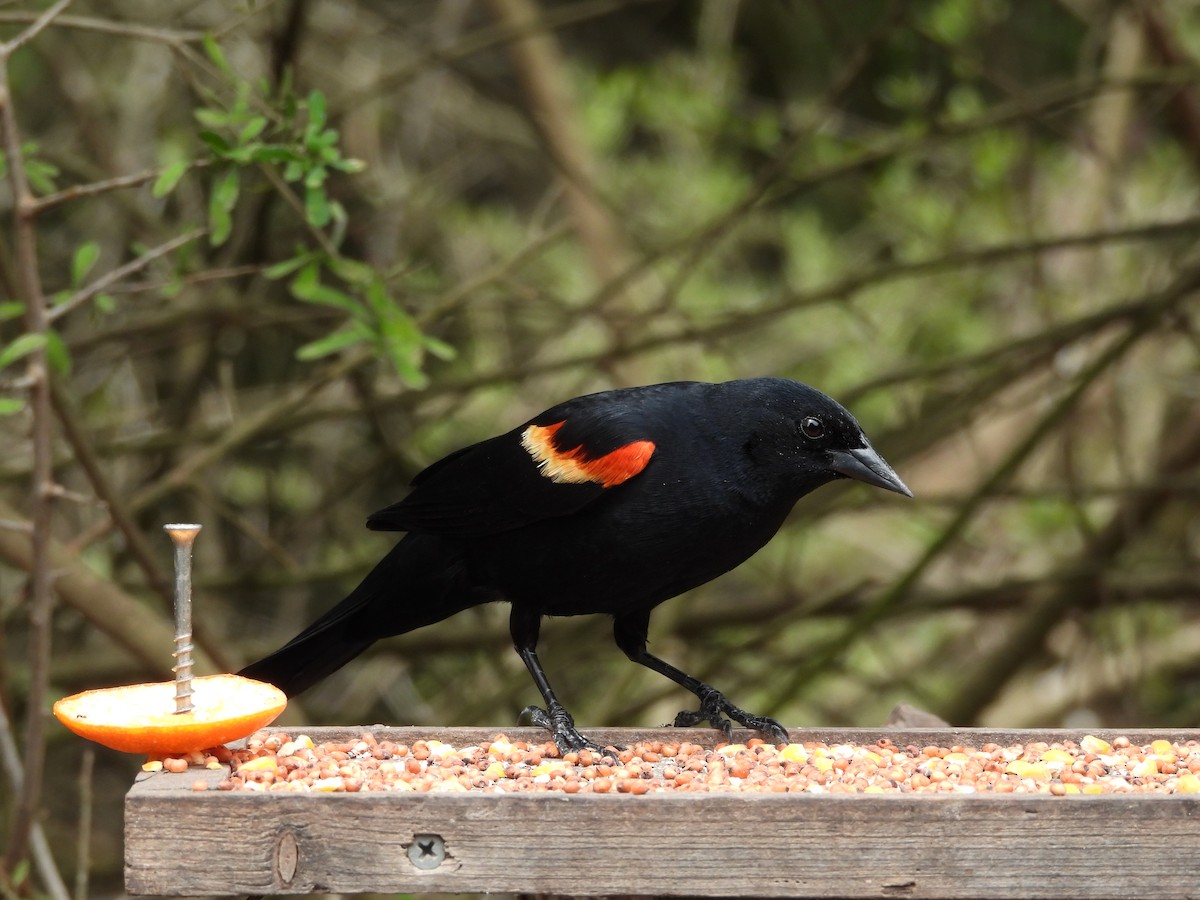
[[1093, 789], [823, 763], [304, 741], [732, 749], [500, 748], [547, 767], [1023, 769], [1071, 789], [1093, 744], [794, 753], [1187, 784], [957, 757], [259, 763], [1057, 756], [213, 764], [152, 765], [326, 785], [1164, 748], [873, 789], [494, 772], [1144, 768]]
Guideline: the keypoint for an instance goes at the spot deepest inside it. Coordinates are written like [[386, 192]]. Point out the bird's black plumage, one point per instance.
[[608, 503]]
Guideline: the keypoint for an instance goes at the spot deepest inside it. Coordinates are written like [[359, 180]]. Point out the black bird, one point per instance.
[[608, 503]]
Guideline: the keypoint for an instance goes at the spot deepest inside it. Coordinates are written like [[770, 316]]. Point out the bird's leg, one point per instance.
[[630, 630], [524, 625]]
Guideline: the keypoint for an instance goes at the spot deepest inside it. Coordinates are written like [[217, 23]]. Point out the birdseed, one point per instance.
[[280, 762]]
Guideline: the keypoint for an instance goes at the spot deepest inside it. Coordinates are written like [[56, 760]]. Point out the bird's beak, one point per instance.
[[865, 465]]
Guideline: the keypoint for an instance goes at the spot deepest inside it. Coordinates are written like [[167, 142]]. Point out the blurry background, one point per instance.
[[294, 251]]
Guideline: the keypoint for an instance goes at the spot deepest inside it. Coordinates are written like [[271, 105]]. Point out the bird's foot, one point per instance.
[[717, 712], [561, 726]]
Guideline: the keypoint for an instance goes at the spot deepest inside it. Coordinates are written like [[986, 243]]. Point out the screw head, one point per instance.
[[427, 851]]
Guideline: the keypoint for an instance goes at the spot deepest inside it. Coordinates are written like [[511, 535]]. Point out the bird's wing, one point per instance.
[[552, 466]]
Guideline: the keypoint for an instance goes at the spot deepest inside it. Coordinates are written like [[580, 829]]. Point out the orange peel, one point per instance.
[[140, 718]]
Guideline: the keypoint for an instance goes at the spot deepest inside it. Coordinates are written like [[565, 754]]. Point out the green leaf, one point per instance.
[[169, 177], [85, 257], [106, 303], [11, 310], [214, 52], [286, 267], [215, 142], [307, 287], [252, 129], [274, 154], [41, 175], [350, 166], [316, 207], [351, 270], [21, 347], [316, 177], [10, 406], [440, 348], [220, 206], [316, 112], [57, 354], [356, 333], [212, 118]]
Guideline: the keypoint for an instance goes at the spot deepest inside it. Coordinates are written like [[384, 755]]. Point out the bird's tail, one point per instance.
[[421, 581]]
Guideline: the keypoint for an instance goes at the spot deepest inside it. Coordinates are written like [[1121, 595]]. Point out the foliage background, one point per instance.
[[261, 262]]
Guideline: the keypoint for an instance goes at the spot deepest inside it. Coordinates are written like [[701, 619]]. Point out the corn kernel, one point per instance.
[[1093, 744], [794, 753], [1187, 784]]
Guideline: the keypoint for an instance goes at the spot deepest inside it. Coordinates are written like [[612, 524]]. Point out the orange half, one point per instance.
[[141, 718]]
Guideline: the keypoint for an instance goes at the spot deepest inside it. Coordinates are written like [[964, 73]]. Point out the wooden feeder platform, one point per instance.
[[181, 842]]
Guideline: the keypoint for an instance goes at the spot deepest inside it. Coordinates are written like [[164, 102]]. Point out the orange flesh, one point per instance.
[[140, 718]]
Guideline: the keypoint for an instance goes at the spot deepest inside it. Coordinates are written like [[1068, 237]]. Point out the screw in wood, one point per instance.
[[183, 536], [427, 851]]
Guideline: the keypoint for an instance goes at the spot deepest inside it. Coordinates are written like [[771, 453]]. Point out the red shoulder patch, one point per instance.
[[575, 466]]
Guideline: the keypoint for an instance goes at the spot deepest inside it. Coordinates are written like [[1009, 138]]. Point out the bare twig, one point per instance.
[[96, 188], [39, 24], [43, 858], [83, 841], [104, 282], [106, 26], [37, 323], [819, 662]]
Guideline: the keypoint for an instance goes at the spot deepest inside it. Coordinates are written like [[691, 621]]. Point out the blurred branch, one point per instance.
[[107, 26], [843, 289], [561, 16], [43, 858], [97, 188], [37, 375], [104, 282], [229, 439], [818, 663], [543, 75], [145, 634], [1180, 452]]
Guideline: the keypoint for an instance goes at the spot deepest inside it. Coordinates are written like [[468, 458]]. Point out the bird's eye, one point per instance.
[[812, 428]]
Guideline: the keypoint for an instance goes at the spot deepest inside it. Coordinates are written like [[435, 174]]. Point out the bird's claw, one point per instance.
[[561, 726], [717, 712]]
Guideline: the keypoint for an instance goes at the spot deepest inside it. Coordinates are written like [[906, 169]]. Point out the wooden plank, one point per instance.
[[180, 842]]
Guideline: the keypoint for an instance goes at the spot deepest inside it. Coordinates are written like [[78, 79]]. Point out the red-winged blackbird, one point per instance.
[[609, 503]]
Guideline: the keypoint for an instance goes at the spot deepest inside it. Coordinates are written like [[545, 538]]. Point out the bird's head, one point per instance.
[[807, 437]]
